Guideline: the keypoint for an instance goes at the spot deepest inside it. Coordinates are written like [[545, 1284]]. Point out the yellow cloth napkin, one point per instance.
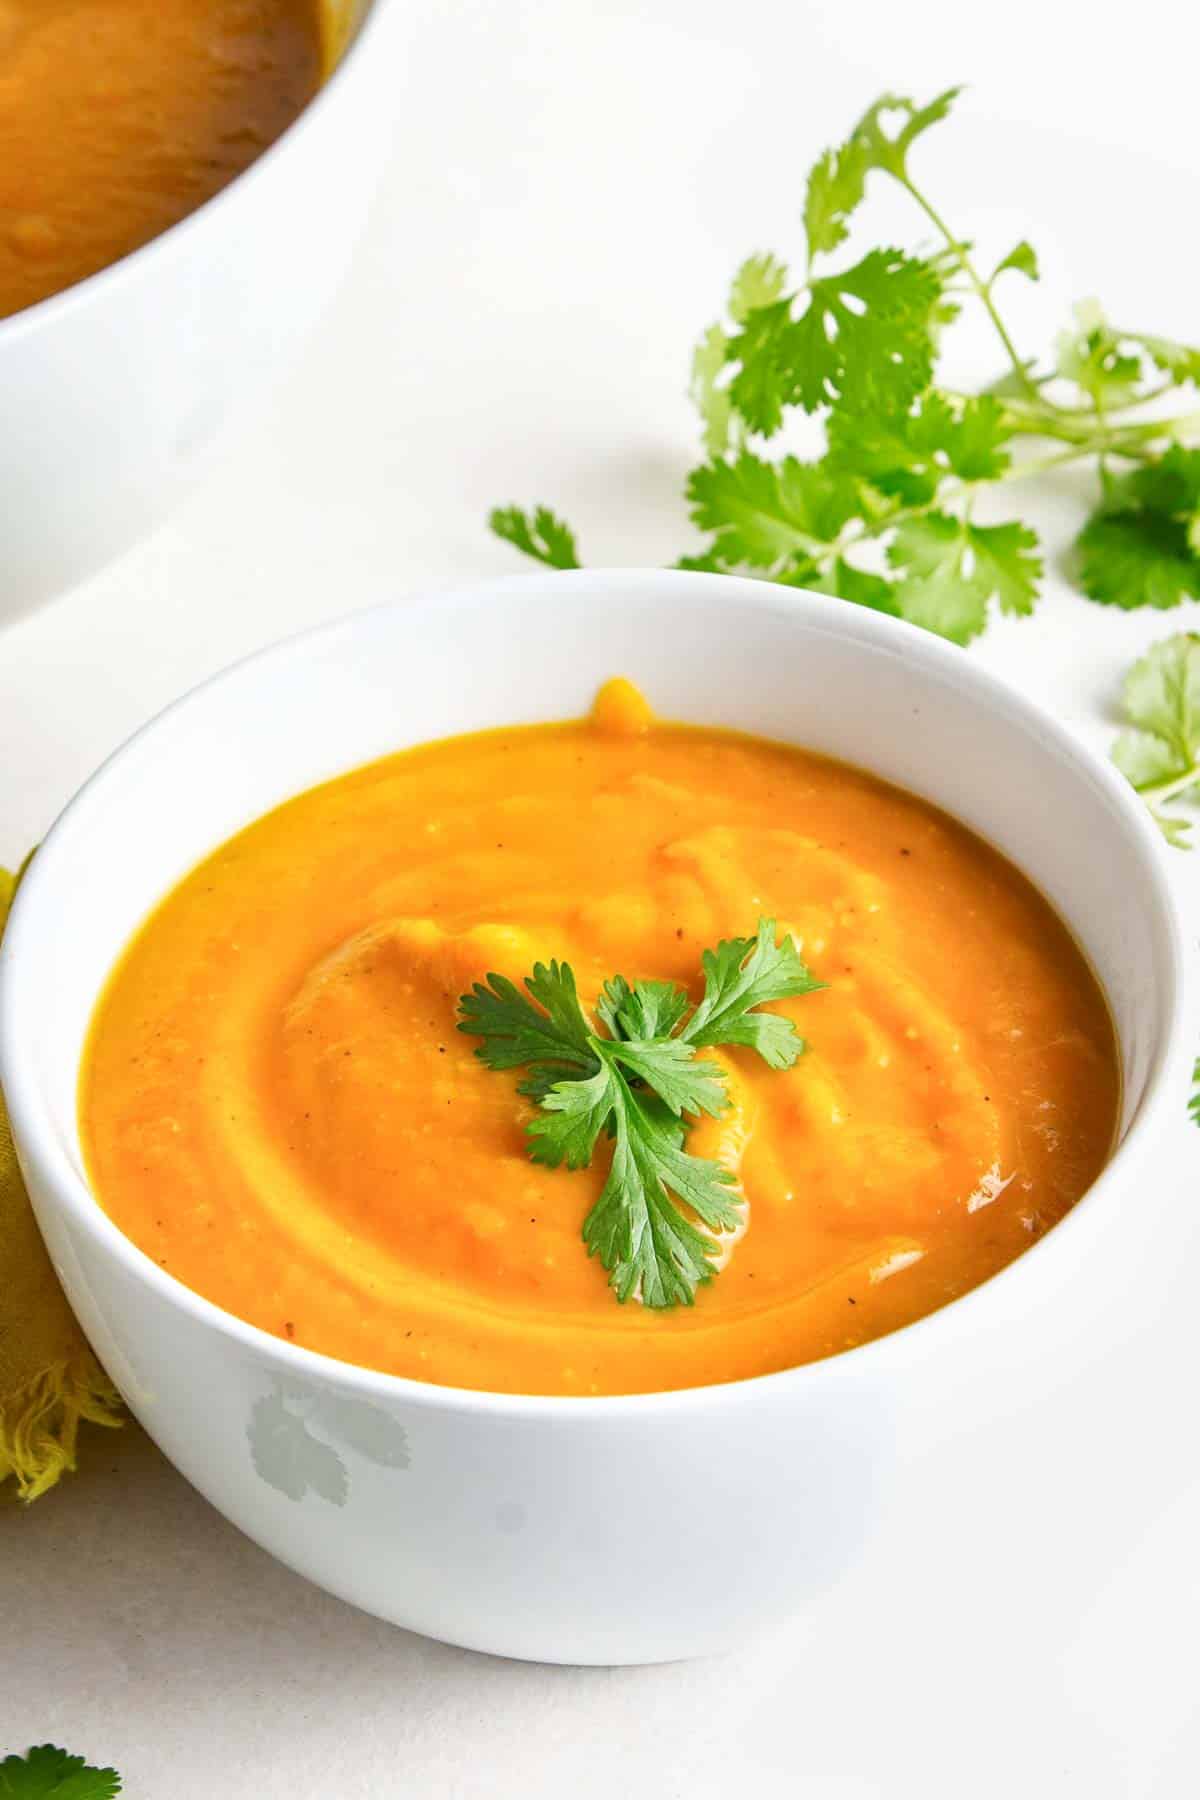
[[49, 1377]]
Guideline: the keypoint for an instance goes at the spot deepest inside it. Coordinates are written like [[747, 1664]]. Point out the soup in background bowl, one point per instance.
[[119, 117], [168, 236], [494, 1519]]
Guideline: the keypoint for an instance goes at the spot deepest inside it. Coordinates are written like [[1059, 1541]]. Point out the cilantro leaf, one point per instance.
[[743, 973], [647, 1009], [1161, 695], [837, 180], [552, 1037], [836, 183], [951, 569], [974, 440], [758, 305], [847, 582], [575, 1113], [1023, 258], [708, 562], [669, 1066], [1135, 558], [1194, 1102], [1177, 831], [907, 455], [1098, 361], [1180, 361], [711, 400], [764, 512], [1007, 564], [1142, 547], [544, 536], [1159, 752], [764, 354], [893, 451], [759, 282], [865, 334], [1144, 758], [937, 590], [1171, 486], [889, 151], [47, 1773], [635, 1086], [652, 1251]]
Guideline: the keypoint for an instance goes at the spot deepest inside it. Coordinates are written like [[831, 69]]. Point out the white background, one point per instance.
[[573, 183]]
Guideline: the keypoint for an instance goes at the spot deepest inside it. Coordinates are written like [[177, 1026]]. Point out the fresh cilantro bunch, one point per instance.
[[637, 1081], [884, 518], [47, 1773]]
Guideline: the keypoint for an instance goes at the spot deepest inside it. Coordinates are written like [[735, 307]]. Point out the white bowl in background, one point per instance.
[[117, 390], [607, 1530]]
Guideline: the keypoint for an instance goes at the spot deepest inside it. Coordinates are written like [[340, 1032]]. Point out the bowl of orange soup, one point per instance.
[[180, 189], [531, 1091]]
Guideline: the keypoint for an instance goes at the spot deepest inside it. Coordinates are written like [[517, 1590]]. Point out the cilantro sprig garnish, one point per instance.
[[47, 1773], [886, 516], [634, 1077]]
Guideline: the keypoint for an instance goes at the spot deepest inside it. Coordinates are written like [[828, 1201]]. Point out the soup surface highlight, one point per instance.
[[118, 117], [276, 1104]]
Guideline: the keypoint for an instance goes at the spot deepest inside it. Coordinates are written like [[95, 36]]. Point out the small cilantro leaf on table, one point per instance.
[[48, 1773], [637, 1080], [857, 344], [1159, 751]]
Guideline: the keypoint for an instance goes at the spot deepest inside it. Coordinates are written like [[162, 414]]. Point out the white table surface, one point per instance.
[[572, 185]]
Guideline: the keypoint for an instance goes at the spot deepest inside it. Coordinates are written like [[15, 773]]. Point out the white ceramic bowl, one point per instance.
[[117, 390], [605, 1530]]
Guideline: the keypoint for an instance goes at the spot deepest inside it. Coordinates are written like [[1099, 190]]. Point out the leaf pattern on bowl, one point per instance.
[[289, 1433]]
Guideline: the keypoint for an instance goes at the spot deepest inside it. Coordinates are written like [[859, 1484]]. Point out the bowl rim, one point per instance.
[[163, 244], [35, 1134]]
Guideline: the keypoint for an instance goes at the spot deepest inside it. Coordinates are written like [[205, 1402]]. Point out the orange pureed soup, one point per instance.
[[278, 1108], [117, 117]]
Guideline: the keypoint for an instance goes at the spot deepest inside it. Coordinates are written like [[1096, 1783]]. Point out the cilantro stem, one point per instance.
[[980, 287], [1068, 410], [1134, 439], [949, 493]]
